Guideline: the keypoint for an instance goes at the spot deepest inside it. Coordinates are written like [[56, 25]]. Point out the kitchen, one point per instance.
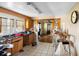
[[24, 31]]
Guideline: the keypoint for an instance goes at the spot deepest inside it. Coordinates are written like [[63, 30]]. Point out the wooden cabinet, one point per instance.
[[31, 38], [56, 23], [53, 24], [59, 23], [20, 44], [46, 38], [29, 23], [17, 45], [28, 39], [25, 40]]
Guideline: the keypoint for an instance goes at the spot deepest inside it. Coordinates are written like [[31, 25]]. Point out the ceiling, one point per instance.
[[55, 8], [39, 9]]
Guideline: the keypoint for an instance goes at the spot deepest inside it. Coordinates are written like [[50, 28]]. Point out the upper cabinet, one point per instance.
[[59, 23], [56, 23], [29, 23], [53, 24]]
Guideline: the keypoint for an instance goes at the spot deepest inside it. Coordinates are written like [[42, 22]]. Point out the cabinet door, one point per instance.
[[59, 22], [20, 44], [15, 46], [30, 38], [25, 40], [53, 24]]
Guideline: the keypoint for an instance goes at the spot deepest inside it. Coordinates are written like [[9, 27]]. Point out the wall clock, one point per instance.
[[74, 17]]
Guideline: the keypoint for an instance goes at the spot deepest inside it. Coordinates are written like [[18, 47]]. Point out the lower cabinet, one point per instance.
[[46, 38], [29, 39], [32, 38], [20, 45], [25, 40], [17, 45]]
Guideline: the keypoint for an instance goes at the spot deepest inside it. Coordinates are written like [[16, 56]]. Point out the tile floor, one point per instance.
[[43, 49]]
